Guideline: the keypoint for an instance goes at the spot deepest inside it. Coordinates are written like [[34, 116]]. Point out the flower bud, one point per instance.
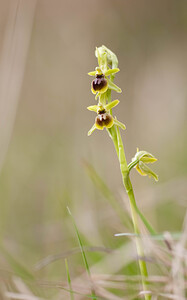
[[99, 84], [140, 161]]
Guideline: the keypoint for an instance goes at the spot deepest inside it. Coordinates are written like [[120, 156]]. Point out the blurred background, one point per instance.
[[46, 50]]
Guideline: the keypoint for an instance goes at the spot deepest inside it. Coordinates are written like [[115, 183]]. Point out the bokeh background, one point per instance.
[[46, 50]]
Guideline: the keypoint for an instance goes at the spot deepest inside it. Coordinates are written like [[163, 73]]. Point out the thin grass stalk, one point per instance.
[[93, 295], [69, 280]]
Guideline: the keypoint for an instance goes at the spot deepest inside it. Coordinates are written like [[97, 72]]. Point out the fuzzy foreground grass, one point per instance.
[[166, 259]]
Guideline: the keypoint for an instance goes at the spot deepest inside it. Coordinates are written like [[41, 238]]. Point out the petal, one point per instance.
[[99, 85]]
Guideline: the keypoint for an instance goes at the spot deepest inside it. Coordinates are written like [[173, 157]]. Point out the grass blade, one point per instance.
[[82, 251], [69, 280]]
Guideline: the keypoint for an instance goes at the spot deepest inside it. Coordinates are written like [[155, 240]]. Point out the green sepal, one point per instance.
[[111, 104], [92, 73], [92, 130], [113, 86], [147, 171], [145, 157], [111, 71], [119, 124], [148, 160], [93, 108]]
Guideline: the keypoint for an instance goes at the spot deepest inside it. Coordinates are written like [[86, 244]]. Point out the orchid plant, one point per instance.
[[101, 86]]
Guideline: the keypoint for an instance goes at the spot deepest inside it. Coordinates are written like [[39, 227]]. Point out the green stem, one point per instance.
[[128, 186], [112, 130], [132, 164], [144, 220], [116, 138], [139, 246]]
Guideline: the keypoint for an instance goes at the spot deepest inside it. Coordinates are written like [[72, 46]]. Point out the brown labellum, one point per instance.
[[104, 120], [99, 84]]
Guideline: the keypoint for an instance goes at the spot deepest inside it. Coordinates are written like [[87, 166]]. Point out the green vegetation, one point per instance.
[[114, 242]]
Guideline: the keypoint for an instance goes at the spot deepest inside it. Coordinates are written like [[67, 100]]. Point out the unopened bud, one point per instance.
[[140, 161]]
